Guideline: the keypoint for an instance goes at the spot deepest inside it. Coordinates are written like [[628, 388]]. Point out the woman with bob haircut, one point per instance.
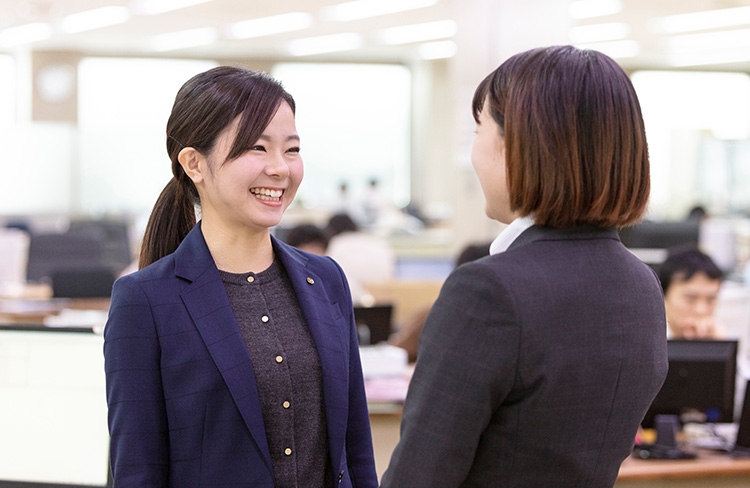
[[537, 363], [232, 358]]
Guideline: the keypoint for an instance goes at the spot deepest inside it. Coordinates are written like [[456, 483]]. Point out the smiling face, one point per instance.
[[249, 193], [488, 159]]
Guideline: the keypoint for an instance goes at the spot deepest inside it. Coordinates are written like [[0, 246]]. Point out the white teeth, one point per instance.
[[266, 193]]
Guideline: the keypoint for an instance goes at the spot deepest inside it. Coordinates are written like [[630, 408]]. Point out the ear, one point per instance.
[[190, 160]]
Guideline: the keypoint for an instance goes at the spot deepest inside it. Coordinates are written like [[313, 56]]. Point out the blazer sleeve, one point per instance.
[[465, 368], [137, 414]]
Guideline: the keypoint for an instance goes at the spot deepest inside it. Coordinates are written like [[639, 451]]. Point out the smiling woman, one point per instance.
[[230, 355]]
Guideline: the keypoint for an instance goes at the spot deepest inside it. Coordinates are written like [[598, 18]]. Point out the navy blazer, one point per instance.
[[535, 367], [183, 403]]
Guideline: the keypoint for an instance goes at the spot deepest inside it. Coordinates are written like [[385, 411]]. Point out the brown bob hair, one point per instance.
[[575, 143], [204, 106]]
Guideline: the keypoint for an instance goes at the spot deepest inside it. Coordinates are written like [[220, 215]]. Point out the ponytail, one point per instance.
[[171, 219]]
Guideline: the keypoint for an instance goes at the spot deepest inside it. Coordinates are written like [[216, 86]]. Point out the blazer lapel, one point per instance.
[[331, 341], [206, 301]]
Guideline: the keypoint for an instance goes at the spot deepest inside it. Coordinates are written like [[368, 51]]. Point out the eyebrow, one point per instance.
[[293, 137]]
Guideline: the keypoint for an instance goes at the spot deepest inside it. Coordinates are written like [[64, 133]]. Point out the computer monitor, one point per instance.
[[424, 268], [700, 383], [53, 252], [93, 282], [661, 235], [743, 430], [373, 323]]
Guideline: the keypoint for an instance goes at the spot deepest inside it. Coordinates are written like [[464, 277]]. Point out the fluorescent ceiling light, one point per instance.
[[708, 19], [437, 50], [361, 9], [25, 34], [710, 41], [325, 44], [183, 39], [615, 49], [586, 9], [703, 58], [599, 32], [266, 26], [709, 48], [94, 19], [153, 7], [419, 32]]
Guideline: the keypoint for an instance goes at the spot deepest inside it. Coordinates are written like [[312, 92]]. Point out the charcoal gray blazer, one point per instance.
[[535, 367]]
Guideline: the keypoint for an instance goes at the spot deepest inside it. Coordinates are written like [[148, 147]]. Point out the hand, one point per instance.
[[701, 328]]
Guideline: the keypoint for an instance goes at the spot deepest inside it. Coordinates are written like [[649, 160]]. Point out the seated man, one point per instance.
[[308, 237], [691, 282]]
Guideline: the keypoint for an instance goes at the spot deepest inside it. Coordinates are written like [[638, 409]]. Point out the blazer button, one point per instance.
[[310, 281], [341, 476]]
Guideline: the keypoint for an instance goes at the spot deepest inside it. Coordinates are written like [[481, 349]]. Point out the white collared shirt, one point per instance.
[[503, 241]]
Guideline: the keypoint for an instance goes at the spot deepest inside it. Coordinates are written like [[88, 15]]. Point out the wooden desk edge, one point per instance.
[[707, 464]]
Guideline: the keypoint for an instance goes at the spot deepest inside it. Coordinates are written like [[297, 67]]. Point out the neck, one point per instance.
[[239, 252]]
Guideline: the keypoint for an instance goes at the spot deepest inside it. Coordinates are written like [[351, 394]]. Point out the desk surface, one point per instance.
[[708, 464], [55, 313]]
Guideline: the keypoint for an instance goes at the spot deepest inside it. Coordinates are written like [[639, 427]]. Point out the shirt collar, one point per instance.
[[503, 241]]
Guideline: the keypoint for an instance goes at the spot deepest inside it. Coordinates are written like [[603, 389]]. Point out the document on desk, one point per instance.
[[87, 319]]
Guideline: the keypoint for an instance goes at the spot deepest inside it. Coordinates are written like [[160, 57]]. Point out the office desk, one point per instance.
[[53, 413], [708, 470]]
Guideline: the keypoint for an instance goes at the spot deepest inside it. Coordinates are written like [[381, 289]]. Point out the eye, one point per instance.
[[294, 149], [258, 148]]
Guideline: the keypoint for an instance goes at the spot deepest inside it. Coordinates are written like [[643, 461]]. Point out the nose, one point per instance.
[[277, 166], [702, 307]]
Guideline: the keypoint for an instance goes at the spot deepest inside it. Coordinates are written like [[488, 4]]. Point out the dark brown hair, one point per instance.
[[684, 262], [205, 105], [575, 143]]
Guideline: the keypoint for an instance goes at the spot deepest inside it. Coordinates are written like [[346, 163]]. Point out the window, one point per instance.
[[7, 90], [123, 107], [698, 128], [354, 124]]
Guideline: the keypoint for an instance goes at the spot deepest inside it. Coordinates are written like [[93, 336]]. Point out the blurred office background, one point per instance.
[[383, 90]]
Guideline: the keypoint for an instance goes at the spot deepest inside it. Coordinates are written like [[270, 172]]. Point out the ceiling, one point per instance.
[[134, 37]]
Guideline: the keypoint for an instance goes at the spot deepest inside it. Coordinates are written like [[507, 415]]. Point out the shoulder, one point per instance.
[[155, 280], [160, 269], [484, 283]]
